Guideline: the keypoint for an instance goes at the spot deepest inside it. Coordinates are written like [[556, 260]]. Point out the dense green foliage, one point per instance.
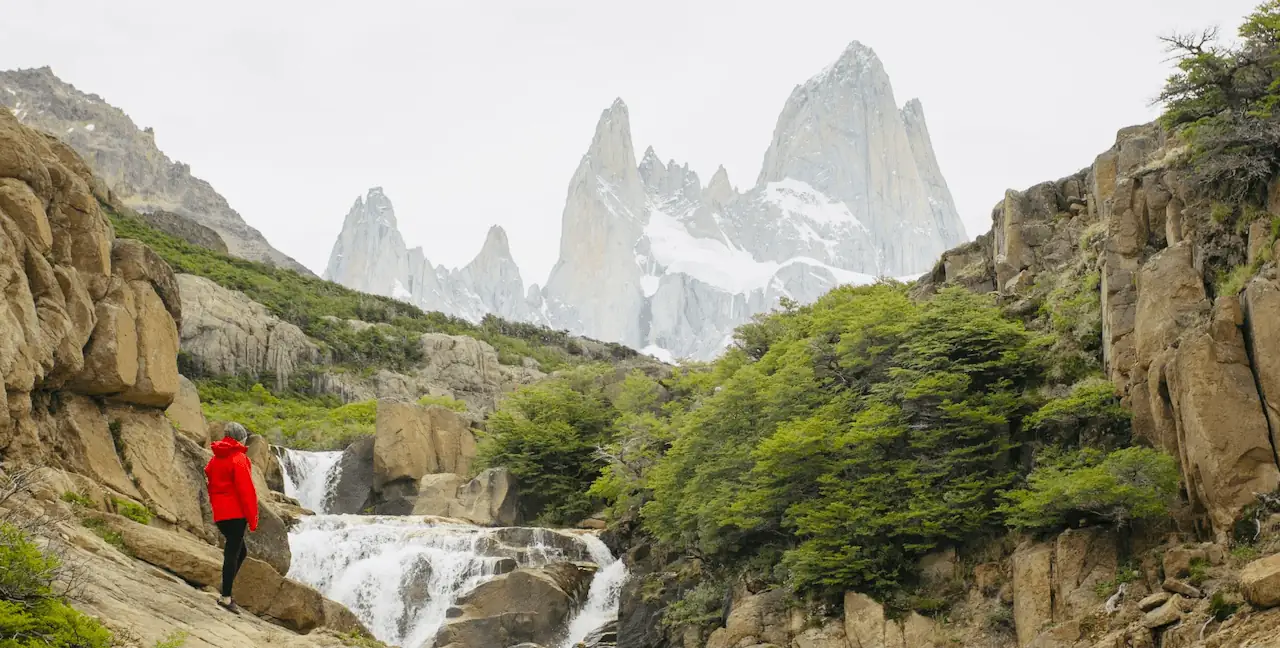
[[290, 419], [1090, 414], [132, 510], [837, 443], [1223, 99], [546, 435], [871, 430], [1066, 489], [32, 615], [319, 307], [446, 402]]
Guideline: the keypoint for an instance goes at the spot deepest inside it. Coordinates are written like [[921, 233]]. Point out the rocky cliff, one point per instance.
[[89, 359], [1192, 358], [651, 257], [127, 159]]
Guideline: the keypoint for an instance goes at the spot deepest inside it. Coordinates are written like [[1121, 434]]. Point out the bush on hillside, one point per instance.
[[288, 419], [1223, 100], [1067, 489], [33, 582], [870, 430], [310, 303], [1090, 414], [547, 436]]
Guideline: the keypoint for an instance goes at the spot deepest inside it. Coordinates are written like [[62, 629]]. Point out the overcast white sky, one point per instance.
[[476, 112]]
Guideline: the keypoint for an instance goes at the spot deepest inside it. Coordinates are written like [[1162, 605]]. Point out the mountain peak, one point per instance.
[[495, 242], [913, 109], [856, 61], [719, 190], [611, 155]]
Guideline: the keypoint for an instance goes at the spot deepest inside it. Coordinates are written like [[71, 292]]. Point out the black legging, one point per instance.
[[234, 553]]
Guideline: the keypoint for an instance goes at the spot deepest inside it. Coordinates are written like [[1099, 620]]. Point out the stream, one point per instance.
[[400, 575]]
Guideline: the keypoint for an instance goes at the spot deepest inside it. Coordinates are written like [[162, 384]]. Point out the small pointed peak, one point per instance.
[[649, 154], [611, 154], [496, 237], [856, 52], [618, 104], [719, 190]]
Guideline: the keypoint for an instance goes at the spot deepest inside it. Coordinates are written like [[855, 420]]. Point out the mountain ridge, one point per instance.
[[649, 256]]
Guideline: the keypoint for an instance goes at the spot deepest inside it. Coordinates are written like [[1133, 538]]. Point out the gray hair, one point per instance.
[[236, 431]]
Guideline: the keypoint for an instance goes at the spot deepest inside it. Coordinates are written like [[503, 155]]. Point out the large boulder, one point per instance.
[[186, 415], [865, 626], [268, 475], [353, 491], [226, 333], [1224, 438], [1262, 310], [149, 449], [81, 441], [1260, 582], [526, 605], [490, 499], [412, 441]]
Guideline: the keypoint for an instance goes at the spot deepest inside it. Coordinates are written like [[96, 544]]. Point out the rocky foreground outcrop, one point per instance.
[[88, 355]]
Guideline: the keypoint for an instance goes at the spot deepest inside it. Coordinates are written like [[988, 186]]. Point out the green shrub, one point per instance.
[[290, 419], [1222, 100], [447, 402], [132, 510], [31, 612], [1199, 571], [175, 639], [104, 531], [547, 436], [1220, 608], [1090, 414], [700, 606], [871, 430], [1066, 489], [72, 497], [49, 623]]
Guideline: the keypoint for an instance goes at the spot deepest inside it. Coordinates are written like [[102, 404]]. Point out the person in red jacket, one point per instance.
[[234, 501]]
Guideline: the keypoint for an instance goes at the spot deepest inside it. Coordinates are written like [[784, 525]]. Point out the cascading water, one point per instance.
[[602, 599], [400, 575], [308, 476]]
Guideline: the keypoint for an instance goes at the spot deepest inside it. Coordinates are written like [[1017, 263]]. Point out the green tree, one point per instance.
[[1067, 489], [547, 436]]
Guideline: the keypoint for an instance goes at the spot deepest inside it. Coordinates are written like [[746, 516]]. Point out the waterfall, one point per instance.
[[602, 599], [400, 575], [308, 476]]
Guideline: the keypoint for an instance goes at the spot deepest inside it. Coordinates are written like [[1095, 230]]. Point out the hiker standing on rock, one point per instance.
[[234, 501]]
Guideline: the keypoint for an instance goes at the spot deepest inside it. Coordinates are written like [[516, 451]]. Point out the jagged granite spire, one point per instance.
[[595, 286]]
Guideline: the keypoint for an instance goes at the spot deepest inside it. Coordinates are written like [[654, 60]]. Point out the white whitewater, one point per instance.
[[602, 599], [308, 476], [400, 575]]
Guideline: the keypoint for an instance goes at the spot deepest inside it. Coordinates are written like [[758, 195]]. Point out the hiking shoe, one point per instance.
[[230, 607]]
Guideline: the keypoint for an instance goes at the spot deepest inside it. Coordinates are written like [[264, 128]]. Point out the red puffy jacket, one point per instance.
[[230, 477]]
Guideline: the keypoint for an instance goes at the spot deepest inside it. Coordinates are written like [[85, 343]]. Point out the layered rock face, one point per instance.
[[89, 362], [1198, 371], [850, 190], [127, 159]]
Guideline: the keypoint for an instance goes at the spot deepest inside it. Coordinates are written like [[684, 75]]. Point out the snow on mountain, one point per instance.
[[849, 190]]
